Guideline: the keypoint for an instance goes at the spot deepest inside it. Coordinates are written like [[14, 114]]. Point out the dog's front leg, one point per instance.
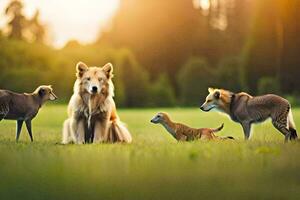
[[101, 132], [73, 128], [77, 130], [247, 129], [80, 132], [67, 137]]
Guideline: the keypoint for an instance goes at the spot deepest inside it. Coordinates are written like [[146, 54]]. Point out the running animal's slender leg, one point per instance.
[[247, 130], [281, 126], [19, 128], [28, 125]]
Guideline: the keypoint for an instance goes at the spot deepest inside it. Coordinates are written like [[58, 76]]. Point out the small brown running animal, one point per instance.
[[182, 132], [24, 107]]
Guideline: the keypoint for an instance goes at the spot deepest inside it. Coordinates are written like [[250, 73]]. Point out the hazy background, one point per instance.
[[165, 53]]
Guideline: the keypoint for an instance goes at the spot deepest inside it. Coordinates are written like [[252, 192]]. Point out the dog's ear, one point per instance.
[[211, 90], [108, 69], [81, 68], [217, 94]]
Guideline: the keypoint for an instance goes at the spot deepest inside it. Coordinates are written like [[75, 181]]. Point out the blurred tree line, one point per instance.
[[166, 53], [20, 27]]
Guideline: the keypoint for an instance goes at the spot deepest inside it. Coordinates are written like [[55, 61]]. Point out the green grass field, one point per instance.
[[154, 166]]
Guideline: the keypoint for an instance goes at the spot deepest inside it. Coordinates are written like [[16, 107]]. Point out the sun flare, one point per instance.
[[203, 4], [66, 20]]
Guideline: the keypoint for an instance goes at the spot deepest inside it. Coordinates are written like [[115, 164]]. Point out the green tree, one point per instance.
[[24, 66], [193, 80], [230, 74], [268, 85], [161, 34], [289, 28], [262, 50], [133, 79], [162, 94], [273, 45]]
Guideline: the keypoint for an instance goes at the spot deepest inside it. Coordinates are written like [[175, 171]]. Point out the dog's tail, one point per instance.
[[292, 126], [218, 129], [118, 132]]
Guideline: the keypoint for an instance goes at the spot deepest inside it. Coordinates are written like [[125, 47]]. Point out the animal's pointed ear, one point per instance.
[[108, 69], [217, 94], [211, 90], [81, 68]]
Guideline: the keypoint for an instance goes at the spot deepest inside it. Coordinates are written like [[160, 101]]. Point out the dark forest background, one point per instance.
[[166, 53]]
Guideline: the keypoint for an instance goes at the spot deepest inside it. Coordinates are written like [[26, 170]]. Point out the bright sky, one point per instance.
[[69, 19]]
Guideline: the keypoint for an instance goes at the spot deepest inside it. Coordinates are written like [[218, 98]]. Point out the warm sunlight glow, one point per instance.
[[204, 4], [70, 19]]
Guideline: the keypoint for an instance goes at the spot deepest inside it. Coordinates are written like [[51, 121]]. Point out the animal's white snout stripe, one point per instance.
[[52, 97]]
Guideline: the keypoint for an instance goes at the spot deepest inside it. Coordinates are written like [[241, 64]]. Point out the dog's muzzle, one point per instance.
[[153, 121], [206, 110], [94, 89]]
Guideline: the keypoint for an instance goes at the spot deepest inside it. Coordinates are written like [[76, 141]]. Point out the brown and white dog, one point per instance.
[[92, 111], [246, 110], [182, 132]]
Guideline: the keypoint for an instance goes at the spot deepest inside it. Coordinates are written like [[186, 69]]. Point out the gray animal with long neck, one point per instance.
[[24, 107], [246, 110]]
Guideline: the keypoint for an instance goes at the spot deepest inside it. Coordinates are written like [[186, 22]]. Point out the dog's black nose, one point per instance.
[[94, 89], [202, 108]]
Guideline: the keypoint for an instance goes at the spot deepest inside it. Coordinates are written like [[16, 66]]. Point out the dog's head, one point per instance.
[[94, 80], [159, 118], [217, 98], [46, 93]]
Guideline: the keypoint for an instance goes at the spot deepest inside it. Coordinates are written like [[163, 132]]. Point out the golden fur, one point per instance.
[[93, 113], [222, 101]]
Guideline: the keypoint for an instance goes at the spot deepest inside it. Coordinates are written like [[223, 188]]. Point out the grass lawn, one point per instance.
[[154, 166]]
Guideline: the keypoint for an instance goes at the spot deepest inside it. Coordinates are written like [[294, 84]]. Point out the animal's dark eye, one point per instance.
[[208, 101], [217, 94], [88, 78], [100, 79]]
